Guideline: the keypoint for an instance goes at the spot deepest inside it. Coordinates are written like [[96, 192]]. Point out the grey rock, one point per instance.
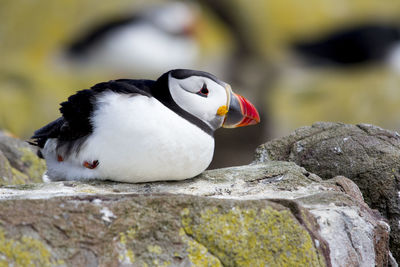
[[366, 154], [272, 213], [18, 162]]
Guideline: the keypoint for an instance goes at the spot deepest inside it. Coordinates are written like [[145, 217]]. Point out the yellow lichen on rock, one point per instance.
[[36, 166], [126, 255], [197, 253], [253, 237], [10, 175], [28, 169], [154, 249], [88, 191], [17, 177], [26, 251]]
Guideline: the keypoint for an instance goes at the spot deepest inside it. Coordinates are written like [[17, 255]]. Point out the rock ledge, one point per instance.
[[271, 213]]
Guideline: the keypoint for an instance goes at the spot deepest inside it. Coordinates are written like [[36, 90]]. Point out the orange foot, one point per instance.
[[92, 165]]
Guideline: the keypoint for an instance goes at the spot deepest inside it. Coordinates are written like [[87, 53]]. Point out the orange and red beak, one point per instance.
[[240, 112]]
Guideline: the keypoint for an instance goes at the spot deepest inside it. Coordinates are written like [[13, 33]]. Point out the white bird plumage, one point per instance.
[[151, 41], [140, 130], [158, 145]]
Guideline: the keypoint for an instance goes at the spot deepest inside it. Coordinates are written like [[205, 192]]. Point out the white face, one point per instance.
[[201, 97]]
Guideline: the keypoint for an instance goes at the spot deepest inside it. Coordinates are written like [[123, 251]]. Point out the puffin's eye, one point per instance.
[[203, 91]]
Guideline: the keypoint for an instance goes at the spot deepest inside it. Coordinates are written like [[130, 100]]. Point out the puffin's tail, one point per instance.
[[51, 130]]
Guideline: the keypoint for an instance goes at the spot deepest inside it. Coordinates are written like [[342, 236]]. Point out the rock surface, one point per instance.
[[18, 162], [366, 154], [272, 213]]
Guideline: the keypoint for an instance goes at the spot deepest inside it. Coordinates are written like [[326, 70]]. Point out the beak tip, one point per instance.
[[256, 116], [251, 116], [244, 114]]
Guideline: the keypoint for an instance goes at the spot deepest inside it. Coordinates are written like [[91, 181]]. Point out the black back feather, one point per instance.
[[75, 126], [72, 129], [355, 45], [90, 39]]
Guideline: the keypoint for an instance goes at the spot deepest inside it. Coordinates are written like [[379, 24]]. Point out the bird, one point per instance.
[[140, 130], [151, 41], [354, 46]]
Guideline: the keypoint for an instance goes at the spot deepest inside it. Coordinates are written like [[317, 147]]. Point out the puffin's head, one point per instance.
[[210, 99], [177, 18]]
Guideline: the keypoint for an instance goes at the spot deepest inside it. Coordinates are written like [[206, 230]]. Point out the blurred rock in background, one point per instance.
[[51, 49]]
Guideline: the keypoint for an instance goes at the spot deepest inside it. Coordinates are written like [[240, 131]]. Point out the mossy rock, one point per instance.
[[19, 163], [274, 213], [157, 231], [366, 154], [253, 235]]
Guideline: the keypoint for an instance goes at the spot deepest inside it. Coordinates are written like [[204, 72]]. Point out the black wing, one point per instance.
[[354, 45], [51, 130], [74, 126]]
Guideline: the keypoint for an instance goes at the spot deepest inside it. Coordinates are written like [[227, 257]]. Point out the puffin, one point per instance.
[[157, 39], [135, 131], [356, 45]]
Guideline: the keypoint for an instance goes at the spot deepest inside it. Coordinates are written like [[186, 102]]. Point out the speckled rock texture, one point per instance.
[[366, 154], [268, 214], [18, 162]]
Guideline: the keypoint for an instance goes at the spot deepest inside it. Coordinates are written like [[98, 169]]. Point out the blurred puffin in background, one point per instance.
[[151, 41], [354, 46]]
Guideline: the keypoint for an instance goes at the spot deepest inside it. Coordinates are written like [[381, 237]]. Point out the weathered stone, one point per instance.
[[18, 162], [368, 155], [274, 213]]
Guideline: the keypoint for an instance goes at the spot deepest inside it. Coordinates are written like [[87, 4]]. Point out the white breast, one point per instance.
[[137, 139]]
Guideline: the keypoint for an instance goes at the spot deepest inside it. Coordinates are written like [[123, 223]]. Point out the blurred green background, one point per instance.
[[246, 43]]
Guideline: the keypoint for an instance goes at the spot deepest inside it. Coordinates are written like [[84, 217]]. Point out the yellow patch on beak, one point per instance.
[[222, 110]]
